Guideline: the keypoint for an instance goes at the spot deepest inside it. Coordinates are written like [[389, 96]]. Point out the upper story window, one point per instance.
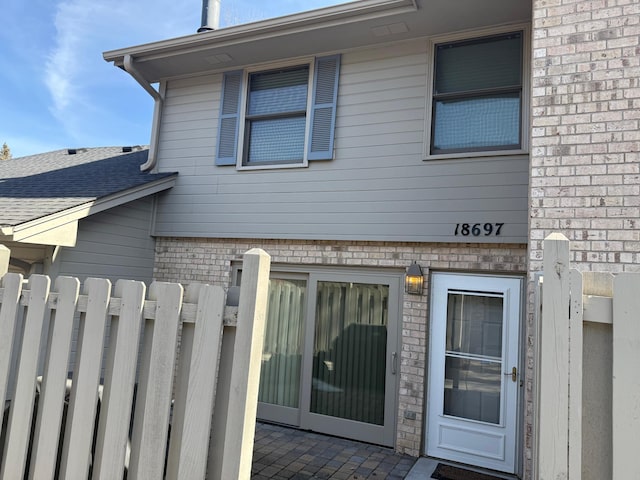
[[477, 95], [278, 117]]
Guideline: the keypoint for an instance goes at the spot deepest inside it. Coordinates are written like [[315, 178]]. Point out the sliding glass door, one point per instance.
[[350, 351], [329, 360], [279, 394]]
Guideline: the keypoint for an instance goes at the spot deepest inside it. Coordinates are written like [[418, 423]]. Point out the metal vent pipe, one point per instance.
[[210, 15]]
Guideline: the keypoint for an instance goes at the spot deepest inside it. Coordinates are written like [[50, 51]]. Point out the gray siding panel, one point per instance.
[[378, 187], [113, 244]]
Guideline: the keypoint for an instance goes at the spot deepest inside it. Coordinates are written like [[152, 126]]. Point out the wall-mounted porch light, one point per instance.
[[413, 280]]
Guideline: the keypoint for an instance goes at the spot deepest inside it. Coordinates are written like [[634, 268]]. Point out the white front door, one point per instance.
[[473, 376]]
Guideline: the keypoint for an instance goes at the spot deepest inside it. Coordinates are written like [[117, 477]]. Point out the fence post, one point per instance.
[[245, 374], [553, 400], [576, 343], [5, 253]]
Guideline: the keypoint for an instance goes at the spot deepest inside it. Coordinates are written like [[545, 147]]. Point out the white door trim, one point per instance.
[[467, 441]]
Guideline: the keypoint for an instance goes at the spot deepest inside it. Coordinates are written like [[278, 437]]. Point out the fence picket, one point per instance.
[[200, 350], [19, 426], [24, 313], [153, 401], [54, 380], [78, 435], [626, 381], [119, 381], [9, 294]]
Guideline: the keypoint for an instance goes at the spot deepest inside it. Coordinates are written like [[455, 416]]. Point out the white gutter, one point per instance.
[[244, 32], [158, 100]]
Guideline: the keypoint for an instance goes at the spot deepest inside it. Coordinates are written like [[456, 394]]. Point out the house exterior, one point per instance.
[[585, 167], [354, 141], [82, 212]]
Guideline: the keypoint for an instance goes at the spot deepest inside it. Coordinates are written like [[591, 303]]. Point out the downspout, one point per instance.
[[158, 100]]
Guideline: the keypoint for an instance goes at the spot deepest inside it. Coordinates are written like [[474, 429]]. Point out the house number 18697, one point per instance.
[[478, 229]]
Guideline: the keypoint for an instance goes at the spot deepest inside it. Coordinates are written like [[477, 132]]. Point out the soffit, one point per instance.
[[334, 29]]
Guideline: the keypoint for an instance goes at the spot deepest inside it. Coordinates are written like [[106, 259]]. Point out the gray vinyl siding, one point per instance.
[[378, 187], [113, 244]]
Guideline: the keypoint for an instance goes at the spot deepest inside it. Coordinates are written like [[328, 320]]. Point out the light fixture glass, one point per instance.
[[413, 280]]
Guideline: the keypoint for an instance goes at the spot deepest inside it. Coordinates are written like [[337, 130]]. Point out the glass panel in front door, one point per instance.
[[349, 354], [282, 351], [473, 356]]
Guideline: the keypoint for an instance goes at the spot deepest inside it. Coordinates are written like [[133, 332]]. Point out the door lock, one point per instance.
[[513, 373]]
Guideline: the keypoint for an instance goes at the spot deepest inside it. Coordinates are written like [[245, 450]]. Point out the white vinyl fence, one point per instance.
[[77, 425], [588, 371]]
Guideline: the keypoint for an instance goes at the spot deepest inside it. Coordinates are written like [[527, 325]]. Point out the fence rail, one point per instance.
[[120, 409], [588, 379]]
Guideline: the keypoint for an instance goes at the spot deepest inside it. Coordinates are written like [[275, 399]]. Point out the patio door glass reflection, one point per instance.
[[350, 351], [283, 339]]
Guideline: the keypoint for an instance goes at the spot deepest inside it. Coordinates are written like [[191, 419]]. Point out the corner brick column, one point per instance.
[[585, 139]]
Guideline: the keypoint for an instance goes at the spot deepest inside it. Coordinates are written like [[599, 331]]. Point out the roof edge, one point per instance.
[[55, 220], [247, 31]]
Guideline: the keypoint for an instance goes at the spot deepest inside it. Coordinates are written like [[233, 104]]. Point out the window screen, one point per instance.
[[276, 116], [477, 95]]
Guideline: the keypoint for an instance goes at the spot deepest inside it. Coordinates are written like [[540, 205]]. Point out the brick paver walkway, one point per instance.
[[284, 453]]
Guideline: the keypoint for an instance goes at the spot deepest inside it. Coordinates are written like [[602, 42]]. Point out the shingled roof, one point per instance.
[[39, 186]]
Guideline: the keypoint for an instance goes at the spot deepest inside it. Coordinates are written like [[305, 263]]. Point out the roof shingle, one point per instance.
[[40, 185]]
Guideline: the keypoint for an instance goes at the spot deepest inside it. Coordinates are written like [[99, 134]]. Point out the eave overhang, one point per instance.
[[265, 29], [351, 25]]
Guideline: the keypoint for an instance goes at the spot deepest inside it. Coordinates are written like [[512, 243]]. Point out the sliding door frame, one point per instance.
[[302, 417]]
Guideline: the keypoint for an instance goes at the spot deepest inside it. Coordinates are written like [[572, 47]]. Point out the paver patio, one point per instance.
[[285, 453]]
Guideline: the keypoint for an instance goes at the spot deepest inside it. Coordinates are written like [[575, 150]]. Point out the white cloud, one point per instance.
[[62, 67], [93, 103], [75, 69]]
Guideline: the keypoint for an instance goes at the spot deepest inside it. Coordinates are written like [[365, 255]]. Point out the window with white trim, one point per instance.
[[477, 96], [281, 116]]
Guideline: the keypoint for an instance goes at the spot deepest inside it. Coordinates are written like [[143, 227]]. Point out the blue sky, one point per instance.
[[56, 91]]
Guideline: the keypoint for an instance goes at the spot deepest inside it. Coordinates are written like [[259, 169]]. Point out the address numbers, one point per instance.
[[478, 229]]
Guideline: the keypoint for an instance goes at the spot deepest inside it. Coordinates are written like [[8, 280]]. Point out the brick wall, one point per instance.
[[209, 260], [585, 165], [585, 162]]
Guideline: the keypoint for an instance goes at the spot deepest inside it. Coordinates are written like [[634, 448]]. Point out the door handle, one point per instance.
[[394, 360], [513, 373]]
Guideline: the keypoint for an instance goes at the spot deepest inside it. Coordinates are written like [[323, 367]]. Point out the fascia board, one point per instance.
[[64, 235], [326, 17], [56, 220]]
